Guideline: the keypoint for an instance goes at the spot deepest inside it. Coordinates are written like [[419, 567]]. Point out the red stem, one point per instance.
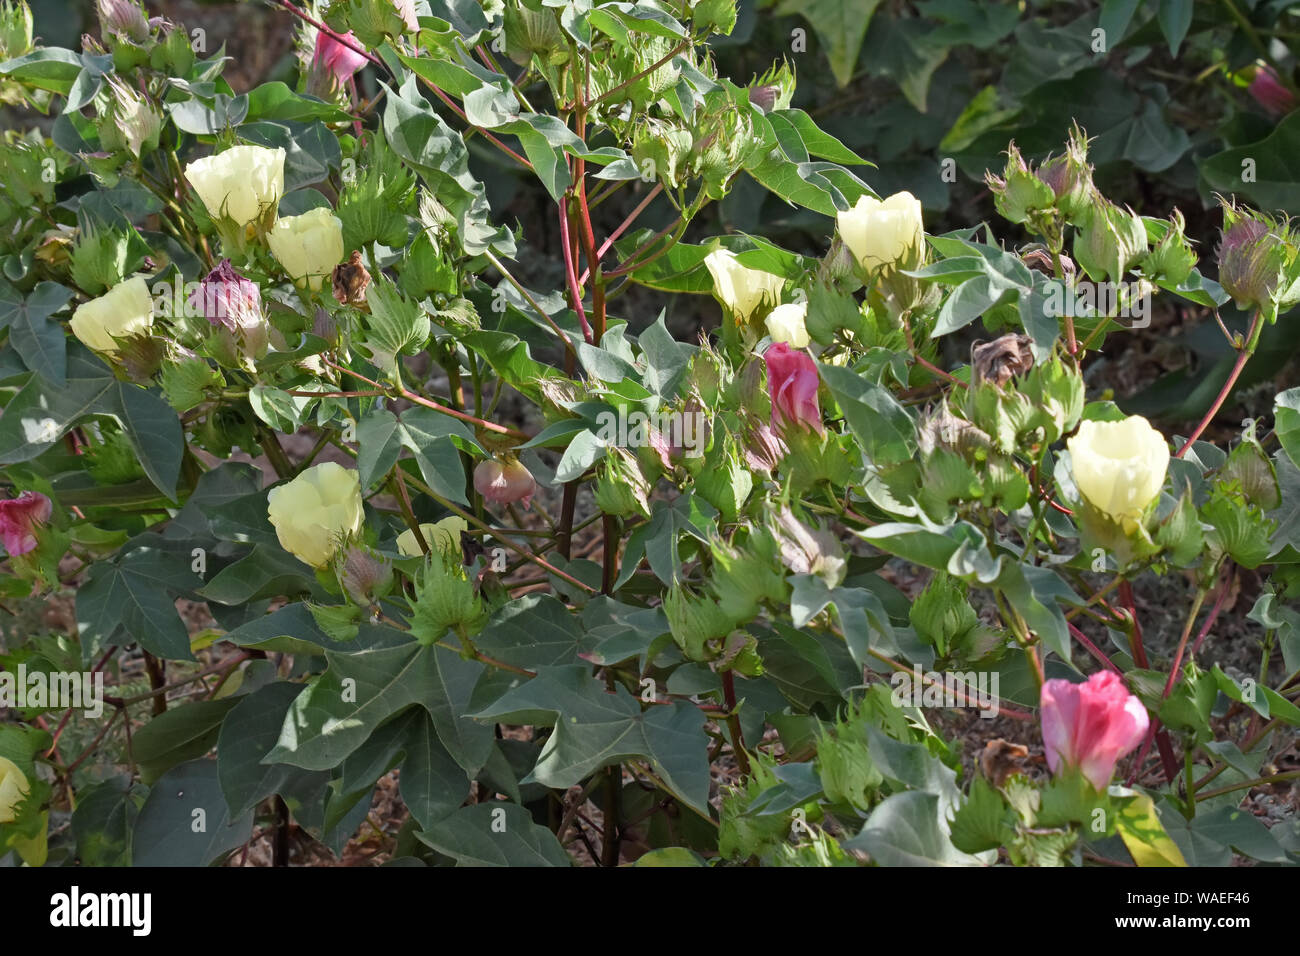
[[1242, 355], [1093, 649], [570, 272], [623, 227]]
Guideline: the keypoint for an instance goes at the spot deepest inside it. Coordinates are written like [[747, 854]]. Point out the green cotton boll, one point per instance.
[[113, 460], [659, 151], [98, 260], [744, 577], [697, 623], [941, 614], [445, 600], [844, 764], [423, 270]]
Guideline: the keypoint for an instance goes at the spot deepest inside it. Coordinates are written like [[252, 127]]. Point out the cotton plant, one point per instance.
[[286, 384]]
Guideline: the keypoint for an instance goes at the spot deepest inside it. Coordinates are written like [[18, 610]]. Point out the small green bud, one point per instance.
[[445, 600], [1172, 259], [621, 489], [697, 624], [1255, 256]]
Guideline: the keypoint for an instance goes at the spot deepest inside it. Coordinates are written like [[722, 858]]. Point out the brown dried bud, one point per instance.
[[350, 280], [1002, 359]]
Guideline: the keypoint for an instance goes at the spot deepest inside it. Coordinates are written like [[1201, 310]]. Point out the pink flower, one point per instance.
[[792, 380], [1269, 92], [19, 518], [504, 484], [1091, 725], [341, 60], [224, 297]]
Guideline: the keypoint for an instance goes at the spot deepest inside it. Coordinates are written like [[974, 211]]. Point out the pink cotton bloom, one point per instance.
[[1091, 725], [1269, 92], [504, 484], [338, 58], [792, 380], [406, 10], [19, 518]]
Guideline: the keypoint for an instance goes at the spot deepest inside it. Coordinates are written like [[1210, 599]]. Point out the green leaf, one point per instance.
[[178, 734], [495, 834], [49, 68], [1146, 840], [1275, 160], [40, 343], [41, 414], [533, 631], [884, 428], [247, 735], [428, 435], [906, 830], [133, 600], [1286, 412], [595, 729], [361, 690], [840, 27], [104, 820], [815, 140], [185, 822], [275, 101]]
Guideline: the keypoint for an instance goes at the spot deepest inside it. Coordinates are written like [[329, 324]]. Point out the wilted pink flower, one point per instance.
[[339, 59], [504, 484], [224, 297], [792, 381], [1269, 92], [19, 518], [1091, 725]]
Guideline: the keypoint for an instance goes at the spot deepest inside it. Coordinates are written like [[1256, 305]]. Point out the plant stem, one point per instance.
[[1247, 784], [1243, 354], [733, 722]]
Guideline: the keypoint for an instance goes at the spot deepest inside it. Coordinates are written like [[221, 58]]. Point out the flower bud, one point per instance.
[[774, 89], [1089, 726], [792, 382], [15, 30], [308, 247], [123, 20], [660, 149], [1070, 178], [333, 63], [503, 484], [123, 311], [1109, 241], [1018, 192], [1268, 91], [138, 123], [13, 789], [697, 624], [744, 292], [1119, 467], [241, 189], [365, 574], [20, 518], [441, 536], [884, 234], [787, 323], [621, 489], [744, 577], [316, 512], [233, 306], [1172, 259], [1254, 254]]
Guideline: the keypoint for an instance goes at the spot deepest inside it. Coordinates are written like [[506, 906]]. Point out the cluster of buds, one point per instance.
[[1059, 186]]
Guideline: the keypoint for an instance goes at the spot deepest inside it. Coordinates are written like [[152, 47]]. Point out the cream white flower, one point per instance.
[[316, 512], [788, 324], [243, 184], [441, 535], [308, 246], [883, 233], [13, 789], [740, 289], [1119, 467], [123, 311]]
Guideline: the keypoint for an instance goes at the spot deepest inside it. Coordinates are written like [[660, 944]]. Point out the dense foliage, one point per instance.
[[337, 489]]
